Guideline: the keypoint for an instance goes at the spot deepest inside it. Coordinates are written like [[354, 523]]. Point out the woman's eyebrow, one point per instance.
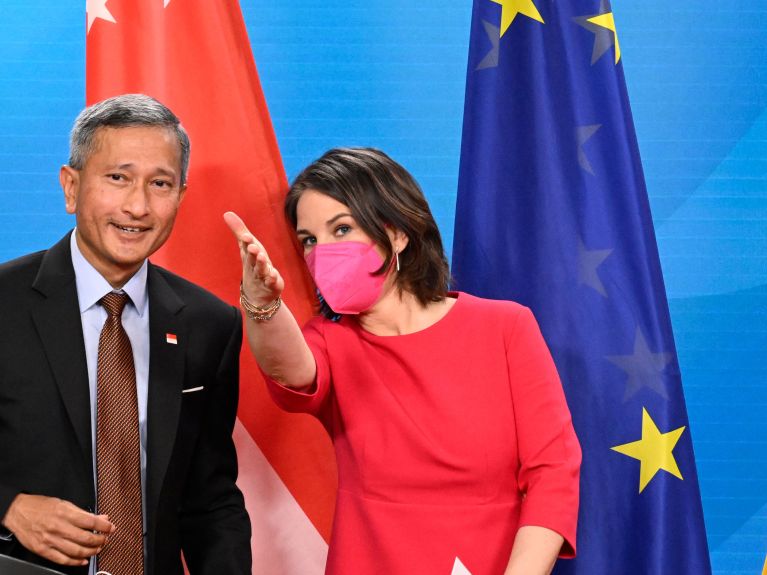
[[336, 217], [328, 223]]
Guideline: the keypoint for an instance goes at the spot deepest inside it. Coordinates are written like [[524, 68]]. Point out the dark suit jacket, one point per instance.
[[192, 502]]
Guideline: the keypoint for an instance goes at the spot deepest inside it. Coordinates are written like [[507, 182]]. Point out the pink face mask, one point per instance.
[[343, 272]]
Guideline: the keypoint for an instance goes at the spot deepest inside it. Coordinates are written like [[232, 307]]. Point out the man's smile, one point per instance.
[[130, 229]]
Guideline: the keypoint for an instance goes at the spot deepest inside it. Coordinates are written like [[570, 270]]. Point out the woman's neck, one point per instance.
[[400, 313]]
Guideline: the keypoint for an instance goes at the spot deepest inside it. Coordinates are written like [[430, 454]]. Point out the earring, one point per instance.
[[396, 255]]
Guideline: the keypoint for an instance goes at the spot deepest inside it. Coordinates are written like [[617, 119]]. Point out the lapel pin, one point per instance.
[[171, 338]]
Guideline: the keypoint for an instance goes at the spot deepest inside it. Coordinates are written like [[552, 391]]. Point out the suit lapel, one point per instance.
[[57, 320], [166, 377]]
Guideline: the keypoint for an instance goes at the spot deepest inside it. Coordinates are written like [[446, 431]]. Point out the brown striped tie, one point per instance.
[[118, 458]]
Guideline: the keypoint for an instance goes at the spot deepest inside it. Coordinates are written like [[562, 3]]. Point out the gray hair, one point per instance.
[[127, 110]]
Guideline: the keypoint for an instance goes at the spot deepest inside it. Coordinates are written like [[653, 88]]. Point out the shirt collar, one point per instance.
[[91, 285]]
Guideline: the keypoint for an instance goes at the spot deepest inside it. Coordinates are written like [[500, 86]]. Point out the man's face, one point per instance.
[[125, 198]]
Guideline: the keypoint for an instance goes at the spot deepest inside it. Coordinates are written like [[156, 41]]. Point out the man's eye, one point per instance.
[[116, 177], [162, 184]]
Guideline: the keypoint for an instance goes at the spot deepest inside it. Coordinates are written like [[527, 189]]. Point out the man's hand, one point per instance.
[[56, 529]]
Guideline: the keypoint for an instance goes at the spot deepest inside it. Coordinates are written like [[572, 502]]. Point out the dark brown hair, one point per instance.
[[380, 193]]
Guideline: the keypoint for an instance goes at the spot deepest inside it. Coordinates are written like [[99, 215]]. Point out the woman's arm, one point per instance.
[[534, 552], [548, 449], [277, 343]]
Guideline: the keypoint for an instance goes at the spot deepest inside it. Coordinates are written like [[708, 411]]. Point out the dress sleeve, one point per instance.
[[549, 452], [312, 400]]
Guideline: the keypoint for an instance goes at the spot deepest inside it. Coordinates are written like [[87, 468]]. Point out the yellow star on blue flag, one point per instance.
[[602, 25], [654, 451], [513, 7]]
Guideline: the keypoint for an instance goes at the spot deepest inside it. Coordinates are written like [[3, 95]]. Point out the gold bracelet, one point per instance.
[[256, 312]]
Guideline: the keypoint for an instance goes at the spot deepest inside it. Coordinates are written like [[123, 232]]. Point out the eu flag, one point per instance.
[[553, 212]]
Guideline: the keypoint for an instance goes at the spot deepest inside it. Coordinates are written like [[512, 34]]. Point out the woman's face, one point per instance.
[[321, 220]]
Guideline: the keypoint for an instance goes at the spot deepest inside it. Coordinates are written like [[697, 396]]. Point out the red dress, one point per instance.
[[447, 440]]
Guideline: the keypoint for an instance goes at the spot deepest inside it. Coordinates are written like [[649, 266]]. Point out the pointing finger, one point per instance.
[[238, 227]]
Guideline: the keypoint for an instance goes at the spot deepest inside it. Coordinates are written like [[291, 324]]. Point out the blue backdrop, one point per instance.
[[392, 74]]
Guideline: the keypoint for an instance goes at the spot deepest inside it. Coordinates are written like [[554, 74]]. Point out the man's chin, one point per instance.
[[132, 249], [130, 260]]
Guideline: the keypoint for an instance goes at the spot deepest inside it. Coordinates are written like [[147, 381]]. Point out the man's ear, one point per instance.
[[181, 193], [69, 178]]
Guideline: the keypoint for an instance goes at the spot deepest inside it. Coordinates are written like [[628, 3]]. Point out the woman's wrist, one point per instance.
[[259, 312]]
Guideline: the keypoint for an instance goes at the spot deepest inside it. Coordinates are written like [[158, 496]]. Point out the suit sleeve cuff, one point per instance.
[[7, 495]]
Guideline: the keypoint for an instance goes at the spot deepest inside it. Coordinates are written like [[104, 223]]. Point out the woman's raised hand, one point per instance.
[[261, 281]]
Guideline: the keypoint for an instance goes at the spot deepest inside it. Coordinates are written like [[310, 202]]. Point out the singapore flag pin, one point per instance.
[[171, 338]]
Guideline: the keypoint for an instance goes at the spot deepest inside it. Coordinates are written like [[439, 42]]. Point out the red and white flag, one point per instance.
[[195, 57]]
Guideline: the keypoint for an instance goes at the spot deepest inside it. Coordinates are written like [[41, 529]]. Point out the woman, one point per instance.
[[454, 443]]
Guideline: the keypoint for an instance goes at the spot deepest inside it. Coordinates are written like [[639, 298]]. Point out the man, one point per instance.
[[118, 379]]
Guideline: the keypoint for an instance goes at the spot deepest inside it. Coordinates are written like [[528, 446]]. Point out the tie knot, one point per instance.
[[114, 303]]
